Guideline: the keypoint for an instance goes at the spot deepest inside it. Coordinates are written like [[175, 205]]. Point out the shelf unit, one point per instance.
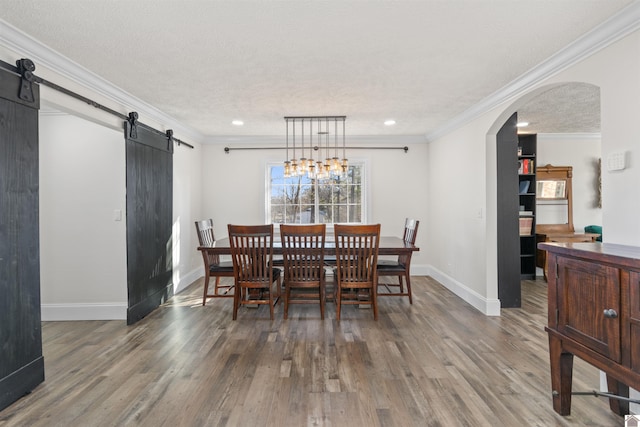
[[527, 145]]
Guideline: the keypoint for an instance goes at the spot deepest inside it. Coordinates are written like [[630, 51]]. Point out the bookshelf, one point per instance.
[[527, 145]]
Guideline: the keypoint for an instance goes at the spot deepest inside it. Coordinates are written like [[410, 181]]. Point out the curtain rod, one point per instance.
[[315, 148], [26, 67]]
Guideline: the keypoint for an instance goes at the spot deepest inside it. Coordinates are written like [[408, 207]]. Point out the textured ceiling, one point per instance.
[[569, 108], [421, 63]]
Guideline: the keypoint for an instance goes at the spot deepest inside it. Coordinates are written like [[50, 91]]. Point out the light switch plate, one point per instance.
[[616, 161]]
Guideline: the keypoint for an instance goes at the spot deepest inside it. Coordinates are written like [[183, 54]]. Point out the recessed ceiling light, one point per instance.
[[522, 124], [389, 122], [237, 122]]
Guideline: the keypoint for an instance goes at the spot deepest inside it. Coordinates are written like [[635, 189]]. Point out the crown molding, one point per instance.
[[279, 140], [44, 56], [615, 28]]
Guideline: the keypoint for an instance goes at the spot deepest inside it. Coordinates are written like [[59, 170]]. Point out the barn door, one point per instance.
[[21, 361], [149, 220]]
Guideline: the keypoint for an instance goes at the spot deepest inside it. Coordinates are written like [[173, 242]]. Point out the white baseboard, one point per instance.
[[490, 307], [180, 282], [83, 311], [420, 270], [118, 311], [108, 310]]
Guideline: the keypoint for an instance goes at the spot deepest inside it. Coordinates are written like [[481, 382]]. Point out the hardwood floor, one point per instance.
[[438, 362]]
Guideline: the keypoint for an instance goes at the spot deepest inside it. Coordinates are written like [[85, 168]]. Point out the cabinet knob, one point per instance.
[[610, 313]]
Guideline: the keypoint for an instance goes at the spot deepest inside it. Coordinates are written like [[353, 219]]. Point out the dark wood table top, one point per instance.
[[389, 245]]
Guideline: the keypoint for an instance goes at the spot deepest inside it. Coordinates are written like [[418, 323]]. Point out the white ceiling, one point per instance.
[[422, 63]]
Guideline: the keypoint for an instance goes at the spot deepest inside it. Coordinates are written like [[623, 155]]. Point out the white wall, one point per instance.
[[582, 153], [615, 70], [187, 207], [459, 225], [235, 186], [82, 248]]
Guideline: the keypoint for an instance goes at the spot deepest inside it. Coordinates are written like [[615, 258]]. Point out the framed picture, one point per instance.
[[551, 189]]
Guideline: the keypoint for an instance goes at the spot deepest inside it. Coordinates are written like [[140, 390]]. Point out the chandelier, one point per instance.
[[329, 133]]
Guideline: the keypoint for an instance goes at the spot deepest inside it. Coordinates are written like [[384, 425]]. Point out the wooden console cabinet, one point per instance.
[[594, 313]]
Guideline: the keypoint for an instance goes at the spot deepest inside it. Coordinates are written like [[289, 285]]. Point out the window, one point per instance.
[[301, 200]]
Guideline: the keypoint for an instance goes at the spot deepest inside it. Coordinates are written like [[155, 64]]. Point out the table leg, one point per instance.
[[620, 407], [561, 376]]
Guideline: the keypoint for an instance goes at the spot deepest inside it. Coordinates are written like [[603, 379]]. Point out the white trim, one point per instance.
[[420, 270], [43, 55], [84, 311], [490, 307], [185, 281], [615, 28], [104, 311], [278, 140]]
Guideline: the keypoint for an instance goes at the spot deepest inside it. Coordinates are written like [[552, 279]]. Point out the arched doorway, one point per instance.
[[554, 112]]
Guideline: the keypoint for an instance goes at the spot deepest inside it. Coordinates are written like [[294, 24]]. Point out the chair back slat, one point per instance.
[[303, 252], [206, 237], [410, 234], [356, 276], [357, 252], [252, 253]]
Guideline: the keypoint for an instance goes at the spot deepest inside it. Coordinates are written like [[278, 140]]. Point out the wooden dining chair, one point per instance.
[[212, 264], [356, 258], [399, 267], [303, 257], [252, 256]]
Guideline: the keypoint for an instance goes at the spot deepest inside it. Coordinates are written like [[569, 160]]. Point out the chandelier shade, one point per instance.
[[329, 133]]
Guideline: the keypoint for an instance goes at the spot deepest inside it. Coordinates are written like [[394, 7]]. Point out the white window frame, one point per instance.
[[364, 194]]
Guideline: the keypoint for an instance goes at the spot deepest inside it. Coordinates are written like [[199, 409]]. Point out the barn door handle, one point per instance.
[[610, 313]]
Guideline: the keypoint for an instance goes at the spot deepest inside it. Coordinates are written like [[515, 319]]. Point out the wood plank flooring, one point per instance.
[[438, 362]]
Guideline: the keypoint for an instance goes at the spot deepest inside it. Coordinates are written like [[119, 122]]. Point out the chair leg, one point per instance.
[[408, 279], [374, 301], [206, 289], [236, 302], [338, 298], [401, 284], [216, 289], [271, 304], [322, 298], [287, 295]]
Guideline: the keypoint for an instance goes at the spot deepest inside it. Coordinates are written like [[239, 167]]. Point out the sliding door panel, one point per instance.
[[21, 360], [149, 220]]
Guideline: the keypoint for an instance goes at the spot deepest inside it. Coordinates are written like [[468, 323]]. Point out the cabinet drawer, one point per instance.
[[584, 291]]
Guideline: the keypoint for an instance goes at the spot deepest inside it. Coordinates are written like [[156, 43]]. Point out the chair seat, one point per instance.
[[277, 262], [276, 275], [226, 266], [387, 265]]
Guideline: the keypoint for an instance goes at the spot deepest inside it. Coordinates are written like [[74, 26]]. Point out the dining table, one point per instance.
[[389, 245]]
